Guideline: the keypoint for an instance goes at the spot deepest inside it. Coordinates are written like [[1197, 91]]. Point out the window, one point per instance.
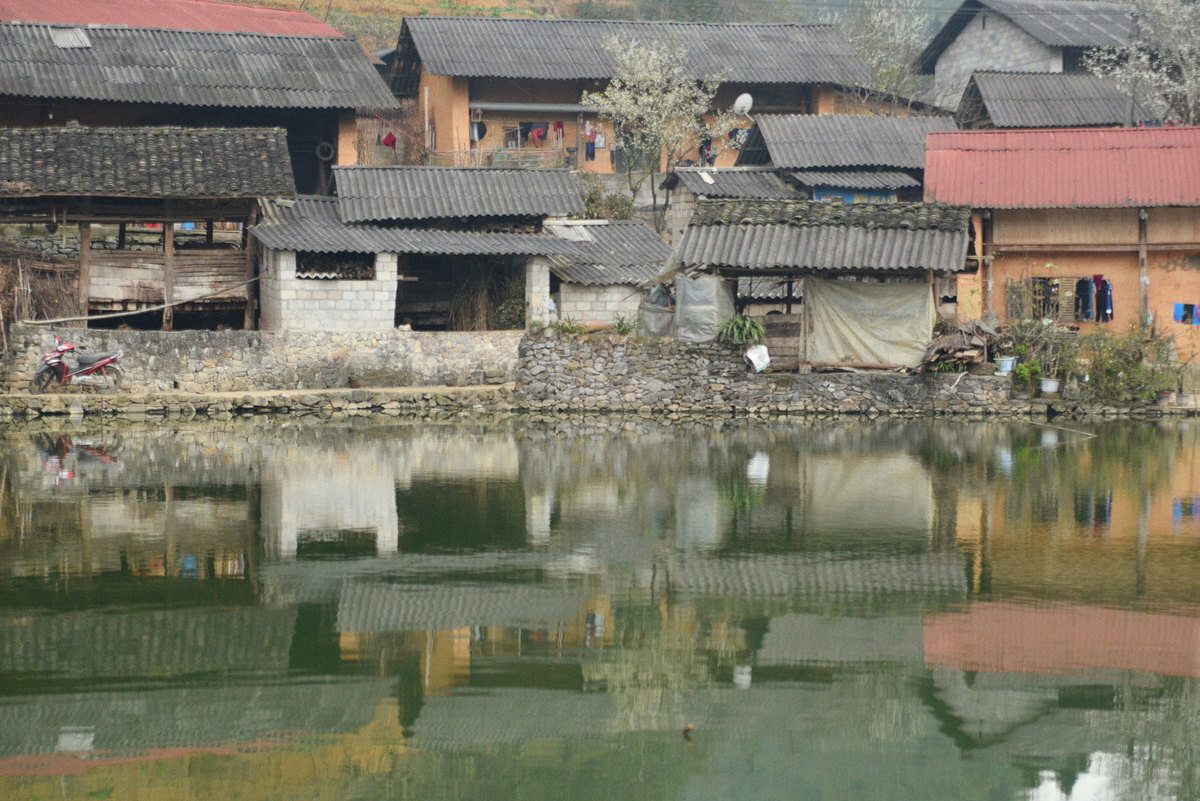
[[336, 266], [1187, 313]]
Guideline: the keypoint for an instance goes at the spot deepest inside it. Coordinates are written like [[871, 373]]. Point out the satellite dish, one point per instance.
[[741, 106]]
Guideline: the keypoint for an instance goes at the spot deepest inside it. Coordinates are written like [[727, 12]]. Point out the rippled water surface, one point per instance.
[[601, 609]]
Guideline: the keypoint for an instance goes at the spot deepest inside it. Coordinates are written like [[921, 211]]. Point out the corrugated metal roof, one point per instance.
[[199, 15], [856, 179], [145, 162], [1049, 100], [816, 141], [1065, 168], [738, 182], [610, 251], [566, 49], [773, 235], [1058, 23], [371, 194], [189, 68], [311, 224]]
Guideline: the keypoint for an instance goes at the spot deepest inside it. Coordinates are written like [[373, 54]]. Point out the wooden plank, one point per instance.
[[168, 317], [84, 286]]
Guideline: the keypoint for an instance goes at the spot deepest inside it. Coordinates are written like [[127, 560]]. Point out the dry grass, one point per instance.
[[35, 287]]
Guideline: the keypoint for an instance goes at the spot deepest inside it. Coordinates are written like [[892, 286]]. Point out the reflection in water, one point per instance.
[[838, 610]]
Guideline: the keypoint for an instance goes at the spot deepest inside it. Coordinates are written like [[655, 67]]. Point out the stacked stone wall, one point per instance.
[[225, 361], [561, 372]]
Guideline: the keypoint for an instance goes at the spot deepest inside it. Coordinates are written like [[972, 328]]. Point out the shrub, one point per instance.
[[741, 330]]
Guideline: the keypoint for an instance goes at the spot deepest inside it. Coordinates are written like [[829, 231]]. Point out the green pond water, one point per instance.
[[600, 609]]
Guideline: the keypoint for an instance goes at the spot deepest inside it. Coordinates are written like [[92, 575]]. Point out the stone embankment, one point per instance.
[[570, 373]]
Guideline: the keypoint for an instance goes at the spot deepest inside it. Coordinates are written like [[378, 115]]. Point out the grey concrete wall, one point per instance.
[[989, 42], [222, 361], [598, 304]]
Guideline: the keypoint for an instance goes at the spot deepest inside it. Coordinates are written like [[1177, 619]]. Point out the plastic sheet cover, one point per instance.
[[868, 323], [654, 320], [702, 304]]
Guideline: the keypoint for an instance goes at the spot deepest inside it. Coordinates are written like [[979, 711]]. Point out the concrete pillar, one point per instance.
[[537, 291]]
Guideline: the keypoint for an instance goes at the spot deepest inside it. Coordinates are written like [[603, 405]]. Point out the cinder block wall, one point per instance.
[[598, 304], [289, 303], [989, 42]]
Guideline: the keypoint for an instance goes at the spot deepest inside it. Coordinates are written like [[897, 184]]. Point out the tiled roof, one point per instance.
[[766, 235], [187, 68], [565, 49], [610, 251], [312, 224], [443, 605], [815, 141], [145, 162], [199, 15], [1049, 100], [1065, 168], [1057, 23], [742, 182], [856, 179], [372, 194]]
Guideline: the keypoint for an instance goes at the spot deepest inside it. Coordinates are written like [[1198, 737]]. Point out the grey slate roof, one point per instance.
[[610, 251], [566, 49], [189, 68], [1049, 100], [856, 179], [429, 607], [743, 182], [373, 194], [145, 162], [808, 141], [1057, 23], [312, 224], [805, 235]]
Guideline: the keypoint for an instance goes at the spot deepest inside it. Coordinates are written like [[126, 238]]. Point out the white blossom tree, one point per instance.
[[1160, 66], [889, 35], [660, 113]]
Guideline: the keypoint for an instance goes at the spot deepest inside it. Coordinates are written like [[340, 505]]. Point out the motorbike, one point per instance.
[[98, 369]]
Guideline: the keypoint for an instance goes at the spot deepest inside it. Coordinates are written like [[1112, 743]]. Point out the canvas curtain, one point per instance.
[[868, 323]]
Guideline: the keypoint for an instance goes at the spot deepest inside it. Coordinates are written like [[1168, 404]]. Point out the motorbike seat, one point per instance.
[[92, 358]]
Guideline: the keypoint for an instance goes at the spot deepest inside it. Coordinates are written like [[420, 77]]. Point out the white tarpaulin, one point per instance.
[[702, 305], [854, 322]]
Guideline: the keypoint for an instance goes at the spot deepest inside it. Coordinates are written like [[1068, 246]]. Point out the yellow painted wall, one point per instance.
[[1065, 226]]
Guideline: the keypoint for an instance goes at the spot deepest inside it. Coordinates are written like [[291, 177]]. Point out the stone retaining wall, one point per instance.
[[236, 361], [566, 373]]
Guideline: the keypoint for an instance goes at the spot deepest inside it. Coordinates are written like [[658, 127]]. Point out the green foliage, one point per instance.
[[625, 325], [569, 325], [603, 205], [1135, 366], [741, 330]]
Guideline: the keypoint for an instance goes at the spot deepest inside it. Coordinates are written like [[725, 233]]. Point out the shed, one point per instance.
[[601, 281], [174, 179], [868, 271], [687, 185], [1045, 100]]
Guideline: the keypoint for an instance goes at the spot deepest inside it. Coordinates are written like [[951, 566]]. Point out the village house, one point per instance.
[[1089, 227], [123, 192], [1018, 36], [120, 75], [687, 186], [434, 248], [505, 92], [868, 269]]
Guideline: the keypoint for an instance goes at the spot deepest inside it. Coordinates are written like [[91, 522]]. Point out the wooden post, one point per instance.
[[121, 237], [251, 289], [208, 232], [168, 318], [1143, 277], [85, 272]]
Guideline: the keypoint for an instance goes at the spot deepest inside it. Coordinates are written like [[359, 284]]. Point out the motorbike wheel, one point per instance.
[[40, 381], [115, 377]]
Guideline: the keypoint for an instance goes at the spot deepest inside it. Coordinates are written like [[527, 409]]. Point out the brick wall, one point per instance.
[[318, 304], [598, 304]]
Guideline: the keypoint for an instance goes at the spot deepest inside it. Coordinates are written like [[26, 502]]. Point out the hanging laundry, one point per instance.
[[388, 140], [1084, 300], [1104, 300], [589, 150]]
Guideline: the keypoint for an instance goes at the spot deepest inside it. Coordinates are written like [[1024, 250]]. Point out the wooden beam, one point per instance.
[[251, 289], [168, 318], [85, 245]]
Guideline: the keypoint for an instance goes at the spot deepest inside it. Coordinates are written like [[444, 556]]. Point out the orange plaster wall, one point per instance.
[[1119, 268], [1175, 278], [347, 139], [447, 109]]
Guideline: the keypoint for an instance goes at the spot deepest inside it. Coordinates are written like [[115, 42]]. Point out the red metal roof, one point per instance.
[[197, 15], [1063, 168]]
